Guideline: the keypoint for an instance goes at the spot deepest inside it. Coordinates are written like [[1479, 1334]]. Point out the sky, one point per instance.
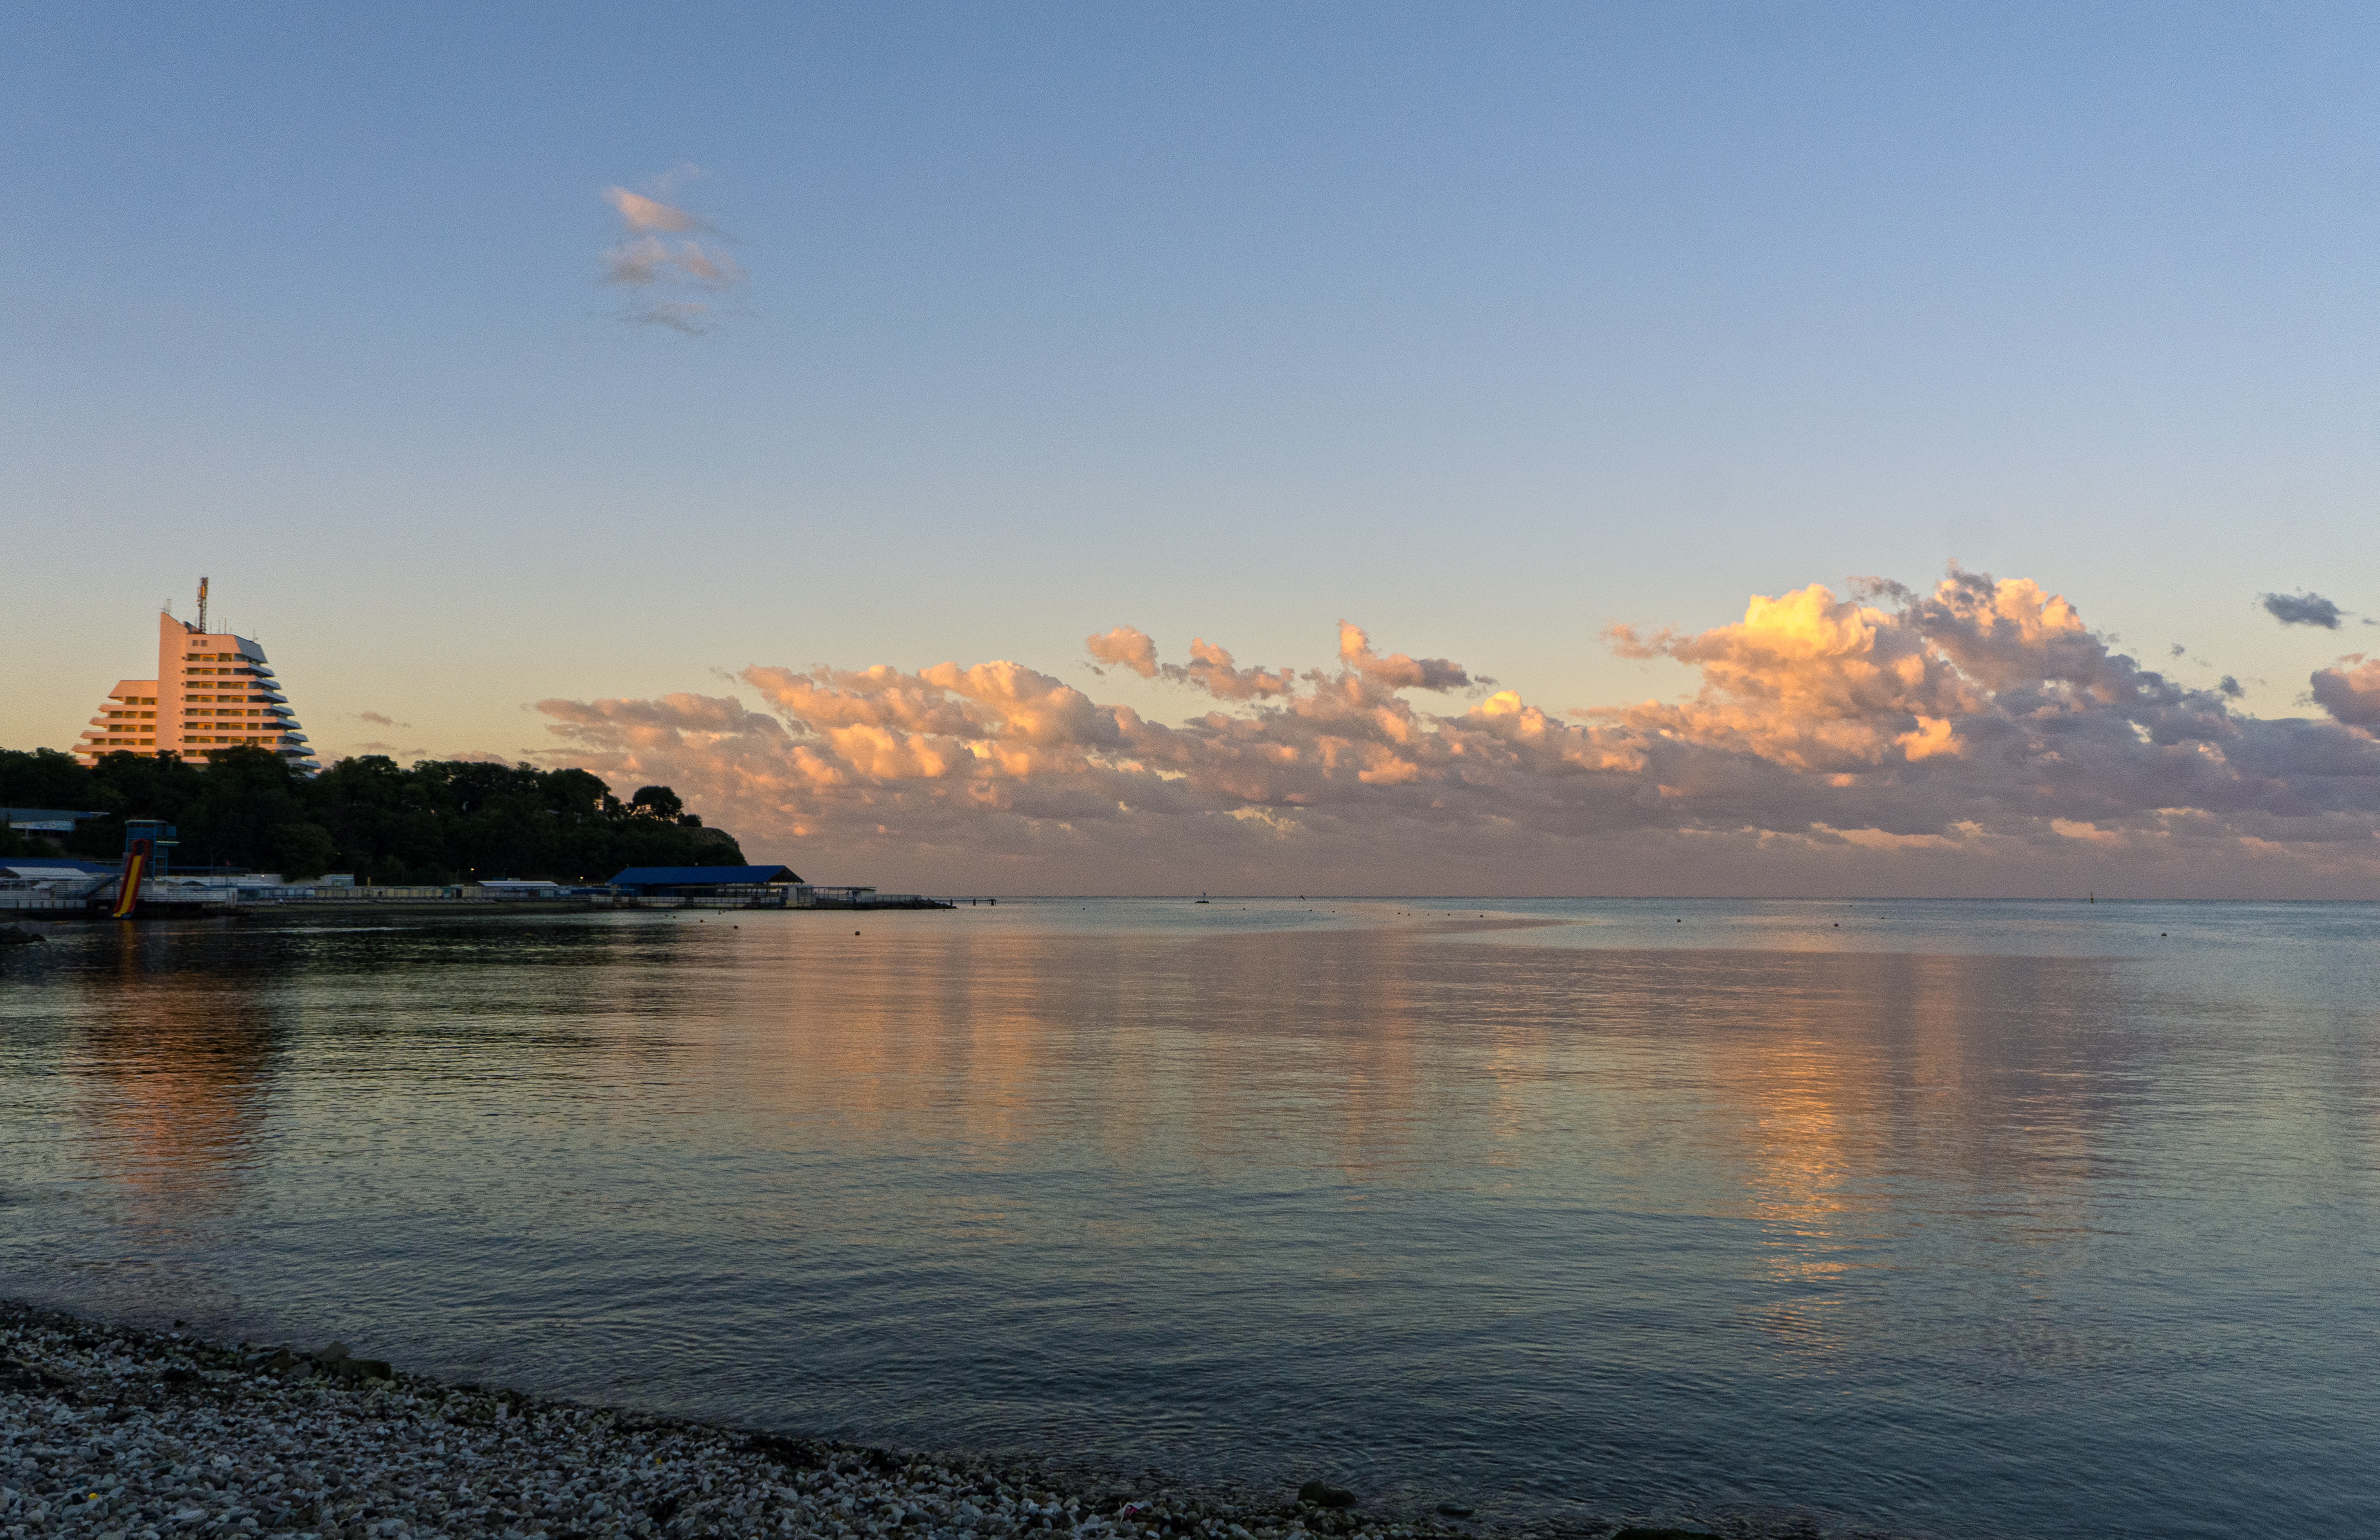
[[1837, 448]]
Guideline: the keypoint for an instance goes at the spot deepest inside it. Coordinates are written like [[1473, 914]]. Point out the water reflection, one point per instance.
[[181, 1061], [1406, 1198], [1882, 1104]]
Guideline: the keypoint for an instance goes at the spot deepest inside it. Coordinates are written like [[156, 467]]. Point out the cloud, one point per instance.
[[651, 259], [676, 282], [377, 719], [639, 213], [1975, 737], [1125, 648], [1210, 667], [681, 316], [2305, 609], [2352, 695], [1395, 672]]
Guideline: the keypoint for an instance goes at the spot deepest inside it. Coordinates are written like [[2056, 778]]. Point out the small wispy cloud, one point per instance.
[[639, 213], [378, 720], [678, 282], [2301, 609]]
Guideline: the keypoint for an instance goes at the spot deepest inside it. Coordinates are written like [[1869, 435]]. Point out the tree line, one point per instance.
[[441, 820]]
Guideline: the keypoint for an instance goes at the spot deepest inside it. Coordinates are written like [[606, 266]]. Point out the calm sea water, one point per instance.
[[1962, 1218]]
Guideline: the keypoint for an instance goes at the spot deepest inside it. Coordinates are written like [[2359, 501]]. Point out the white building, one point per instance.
[[213, 691]]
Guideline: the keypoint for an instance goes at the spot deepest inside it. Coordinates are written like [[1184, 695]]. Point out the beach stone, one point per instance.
[[408, 1458]]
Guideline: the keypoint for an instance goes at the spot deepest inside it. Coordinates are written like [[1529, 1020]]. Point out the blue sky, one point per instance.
[[1483, 327]]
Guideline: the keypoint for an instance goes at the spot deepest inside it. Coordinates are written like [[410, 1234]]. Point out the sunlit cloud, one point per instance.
[[2352, 694], [676, 283], [1979, 725], [639, 213], [1210, 668]]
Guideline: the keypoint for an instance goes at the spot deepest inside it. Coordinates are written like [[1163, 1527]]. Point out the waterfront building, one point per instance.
[[696, 881], [213, 691], [46, 821]]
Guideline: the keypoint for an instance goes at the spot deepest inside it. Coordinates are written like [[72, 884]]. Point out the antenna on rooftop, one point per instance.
[[203, 605]]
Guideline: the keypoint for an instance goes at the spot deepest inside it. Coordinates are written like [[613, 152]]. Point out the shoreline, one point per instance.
[[125, 1433]]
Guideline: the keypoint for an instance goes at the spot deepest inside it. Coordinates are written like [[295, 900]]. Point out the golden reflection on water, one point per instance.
[[178, 1075], [1871, 1098], [973, 1040]]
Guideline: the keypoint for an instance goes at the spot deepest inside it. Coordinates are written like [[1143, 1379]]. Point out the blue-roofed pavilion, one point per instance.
[[647, 882]]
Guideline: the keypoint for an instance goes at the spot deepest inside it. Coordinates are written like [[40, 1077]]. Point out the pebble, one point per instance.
[[117, 1433]]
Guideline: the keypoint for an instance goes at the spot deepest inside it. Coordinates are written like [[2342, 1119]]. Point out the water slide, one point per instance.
[[136, 867]]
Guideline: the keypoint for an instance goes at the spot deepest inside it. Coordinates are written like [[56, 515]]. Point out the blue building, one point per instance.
[[699, 881], [46, 821]]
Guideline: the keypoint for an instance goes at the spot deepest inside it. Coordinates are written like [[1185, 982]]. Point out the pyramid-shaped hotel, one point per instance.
[[212, 692]]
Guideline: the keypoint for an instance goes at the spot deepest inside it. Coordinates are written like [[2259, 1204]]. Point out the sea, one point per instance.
[[1950, 1218]]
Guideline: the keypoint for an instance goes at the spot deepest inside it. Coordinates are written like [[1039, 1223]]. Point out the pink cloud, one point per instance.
[[1396, 672], [639, 213], [1125, 647], [2352, 695], [1981, 728], [1210, 667], [675, 280]]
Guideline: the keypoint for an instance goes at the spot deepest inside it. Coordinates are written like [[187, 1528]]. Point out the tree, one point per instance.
[[438, 821], [657, 802], [304, 850], [245, 795]]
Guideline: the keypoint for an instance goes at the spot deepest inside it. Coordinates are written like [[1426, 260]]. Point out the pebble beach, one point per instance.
[[121, 1433]]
